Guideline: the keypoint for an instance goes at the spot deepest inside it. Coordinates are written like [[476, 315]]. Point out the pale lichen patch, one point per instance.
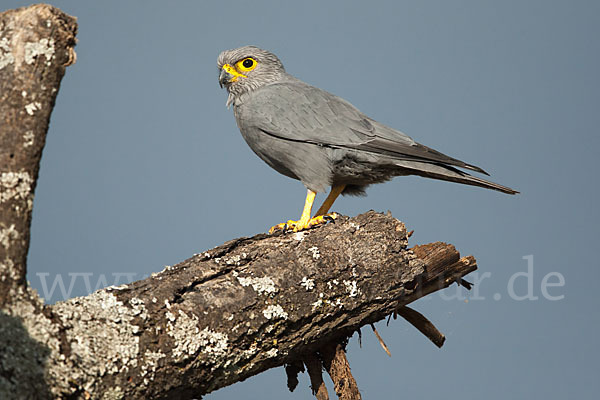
[[307, 283], [15, 185], [321, 302], [149, 365], [332, 283], [28, 138], [315, 252], [355, 226], [6, 55], [274, 311], [252, 350], [318, 303], [97, 330], [260, 285], [352, 288], [8, 270], [44, 47], [189, 339], [272, 353], [299, 236], [113, 393], [30, 346], [7, 235], [236, 259], [33, 107], [213, 343], [104, 332], [170, 316], [137, 307]]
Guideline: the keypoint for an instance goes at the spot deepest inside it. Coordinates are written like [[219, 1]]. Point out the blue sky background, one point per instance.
[[144, 166]]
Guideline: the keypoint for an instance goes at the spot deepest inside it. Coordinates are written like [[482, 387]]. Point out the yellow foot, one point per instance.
[[296, 226]]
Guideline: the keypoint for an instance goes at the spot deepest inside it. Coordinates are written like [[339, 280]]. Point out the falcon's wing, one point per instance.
[[299, 112]]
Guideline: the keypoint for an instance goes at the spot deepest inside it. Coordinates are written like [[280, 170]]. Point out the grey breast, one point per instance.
[[280, 124]]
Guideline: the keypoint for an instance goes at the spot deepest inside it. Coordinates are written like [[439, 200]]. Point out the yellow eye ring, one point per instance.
[[247, 64]]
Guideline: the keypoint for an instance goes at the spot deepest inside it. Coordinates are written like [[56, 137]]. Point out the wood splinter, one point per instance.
[[381, 342], [292, 370], [337, 366], [424, 326], [314, 368]]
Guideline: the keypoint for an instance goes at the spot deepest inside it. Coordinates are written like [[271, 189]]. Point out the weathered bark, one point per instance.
[[210, 321], [229, 313], [36, 45]]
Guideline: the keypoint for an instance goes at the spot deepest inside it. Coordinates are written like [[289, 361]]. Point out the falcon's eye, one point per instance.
[[247, 64]]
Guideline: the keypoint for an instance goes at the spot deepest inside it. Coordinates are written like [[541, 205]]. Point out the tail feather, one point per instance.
[[451, 174]]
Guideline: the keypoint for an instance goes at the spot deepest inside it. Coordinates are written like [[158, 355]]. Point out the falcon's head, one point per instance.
[[247, 68]]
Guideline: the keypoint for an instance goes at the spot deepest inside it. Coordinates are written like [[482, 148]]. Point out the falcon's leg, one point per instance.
[[305, 221], [335, 192]]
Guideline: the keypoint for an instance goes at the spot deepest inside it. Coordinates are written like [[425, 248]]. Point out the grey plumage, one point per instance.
[[320, 139]]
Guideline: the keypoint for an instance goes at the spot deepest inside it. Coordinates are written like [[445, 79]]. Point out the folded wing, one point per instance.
[[298, 112]]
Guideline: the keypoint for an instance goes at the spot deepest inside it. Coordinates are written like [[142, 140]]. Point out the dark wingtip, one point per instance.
[[476, 169], [500, 188], [490, 185]]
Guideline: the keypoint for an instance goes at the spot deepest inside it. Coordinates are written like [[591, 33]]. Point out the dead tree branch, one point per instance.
[[36, 45], [219, 317]]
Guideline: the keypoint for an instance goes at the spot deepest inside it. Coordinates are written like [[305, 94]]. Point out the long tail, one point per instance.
[[447, 173]]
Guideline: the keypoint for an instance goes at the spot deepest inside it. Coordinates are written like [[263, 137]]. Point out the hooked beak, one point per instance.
[[228, 75], [224, 78]]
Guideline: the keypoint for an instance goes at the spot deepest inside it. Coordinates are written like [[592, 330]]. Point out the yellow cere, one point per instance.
[[228, 68]]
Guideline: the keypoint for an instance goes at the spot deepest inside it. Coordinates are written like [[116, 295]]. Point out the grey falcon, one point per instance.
[[322, 140]]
